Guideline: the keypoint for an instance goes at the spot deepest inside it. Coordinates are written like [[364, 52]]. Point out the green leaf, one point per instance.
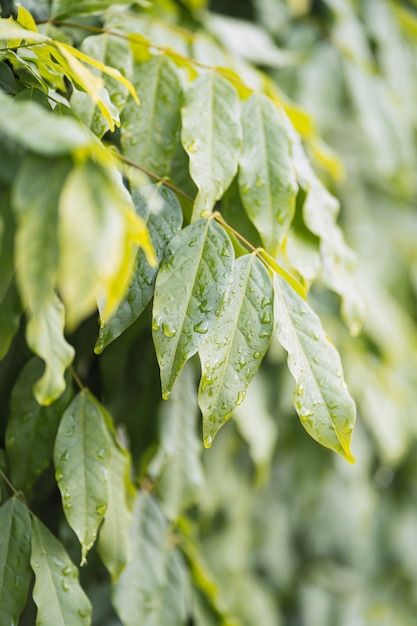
[[31, 428], [7, 80], [63, 9], [10, 308], [266, 176], [189, 289], [321, 398], [233, 348], [176, 467], [97, 229], [150, 589], [57, 593], [114, 540], [15, 572], [82, 459], [161, 212], [149, 133], [32, 127], [11, 30], [211, 135]]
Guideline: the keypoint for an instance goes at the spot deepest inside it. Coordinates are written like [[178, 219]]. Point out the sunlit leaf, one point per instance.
[[150, 589], [11, 30], [82, 459], [233, 349], [161, 212], [57, 593], [321, 398], [31, 428], [63, 9], [211, 135], [150, 132], [189, 290], [176, 467], [266, 175], [15, 572]]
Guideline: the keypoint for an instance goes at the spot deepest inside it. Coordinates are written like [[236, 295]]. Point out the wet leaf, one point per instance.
[[212, 137], [235, 345], [82, 460], [57, 593], [15, 572], [266, 176], [321, 398], [189, 289]]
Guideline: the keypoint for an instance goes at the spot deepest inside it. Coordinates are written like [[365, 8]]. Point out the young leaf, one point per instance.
[[97, 229], [149, 132], [176, 467], [114, 542], [189, 290], [266, 176], [57, 593], [31, 428], [15, 572], [161, 212], [82, 460], [211, 135], [321, 398], [151, 577], [233, 349]]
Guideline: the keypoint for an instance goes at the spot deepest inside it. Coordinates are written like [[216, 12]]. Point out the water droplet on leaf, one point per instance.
[[201, 327], [169, 331]]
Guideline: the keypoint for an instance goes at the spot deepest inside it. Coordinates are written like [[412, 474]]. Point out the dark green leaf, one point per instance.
[[235, 345], [31, 428], [189, 289], [57, 592], [15, 525], [10, 308], [82, 459]]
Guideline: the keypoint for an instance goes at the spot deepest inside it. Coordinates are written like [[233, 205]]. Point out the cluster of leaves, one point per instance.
[[196, 224]]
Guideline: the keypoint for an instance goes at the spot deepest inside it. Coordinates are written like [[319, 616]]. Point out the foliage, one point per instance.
[[151, 168]]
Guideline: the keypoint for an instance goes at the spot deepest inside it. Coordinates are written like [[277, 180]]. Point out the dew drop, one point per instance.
[[67, 570], [208, 441], [59, 474], [240, 398], [169, 331], [156, 323], [64, 456], [166, 395], [17, 582], [192, 242], [266, 318], [257, 355], [205, 382], [201, 327], [64, 585], [225, 252], [300, 390], [265, 302], [101, 453], [67, 506], [82, 613], [101, 508]]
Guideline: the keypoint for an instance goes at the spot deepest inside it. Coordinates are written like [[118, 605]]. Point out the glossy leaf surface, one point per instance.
[[233, 349], [82, 460], [211, 135], [321, 398], [190, 286], [15, 572]]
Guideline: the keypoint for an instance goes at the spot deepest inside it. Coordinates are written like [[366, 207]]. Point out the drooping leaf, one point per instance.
[[12, 30], [7, 80], [266, 175], [150, 588], [31, 428], [30, 126], [114, 540], [15, 572], [149, 133], [212, 137], [176, 467], [233, 349], [321, 398], [10, 307], [82, 459], [97, 229], [189, 290], [161, 212], [57, 593]]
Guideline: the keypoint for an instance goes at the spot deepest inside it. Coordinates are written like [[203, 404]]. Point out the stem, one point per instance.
[[77, 379], [18, 494]]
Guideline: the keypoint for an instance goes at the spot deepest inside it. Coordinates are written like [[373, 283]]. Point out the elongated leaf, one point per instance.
[[211, 135], [35, 197], [150, 132], [97, 229], [161, 212], [31, 428], [15, 572], [189, 289], [67, 8], [233, 348], [10, 307], [266, 175], [150, 589], [57, 593], [10, 29], [82, 460], [176, 467], [29, 125], [321, 398], [114, 541]]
